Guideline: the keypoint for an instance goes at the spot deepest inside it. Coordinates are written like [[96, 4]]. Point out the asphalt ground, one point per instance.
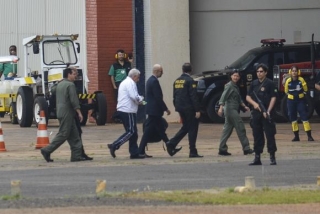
[[298, 163]]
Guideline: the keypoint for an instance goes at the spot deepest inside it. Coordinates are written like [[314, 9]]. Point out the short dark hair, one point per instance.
[[67, 71], [13, 46], [120, 51], [186, 67], [263, 66]]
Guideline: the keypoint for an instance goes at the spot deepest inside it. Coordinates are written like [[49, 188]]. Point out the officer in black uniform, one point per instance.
[[186, 102], [260, 121]]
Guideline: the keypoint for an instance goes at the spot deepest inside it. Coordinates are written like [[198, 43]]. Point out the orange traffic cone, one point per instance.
[[42, 134], [2, 145]]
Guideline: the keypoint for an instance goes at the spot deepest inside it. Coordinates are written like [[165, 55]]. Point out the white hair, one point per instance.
[[134, 72]]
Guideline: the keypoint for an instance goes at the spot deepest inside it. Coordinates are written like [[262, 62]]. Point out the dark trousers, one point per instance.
[[155, 126], [129, 121], [190, 126], [261, 126], [116, 91], [297, 106]]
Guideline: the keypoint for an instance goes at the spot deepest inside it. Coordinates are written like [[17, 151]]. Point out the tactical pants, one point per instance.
[[261, 126], [67, 132], [190, 126], [233, 120], [155, 126]]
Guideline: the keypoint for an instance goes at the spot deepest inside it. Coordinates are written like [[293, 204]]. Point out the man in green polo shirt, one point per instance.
[[119, 70], [9, 69]]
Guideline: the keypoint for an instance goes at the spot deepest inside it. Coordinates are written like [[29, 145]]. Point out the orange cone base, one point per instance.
[[2, 147], [42, 142]]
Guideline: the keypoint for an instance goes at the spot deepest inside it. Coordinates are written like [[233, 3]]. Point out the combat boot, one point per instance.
[[256, 160], [310, 138], [273, 159], [296, 136]]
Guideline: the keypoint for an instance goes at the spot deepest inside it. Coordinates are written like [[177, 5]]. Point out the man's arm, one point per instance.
[[111, 74], [158, 96]]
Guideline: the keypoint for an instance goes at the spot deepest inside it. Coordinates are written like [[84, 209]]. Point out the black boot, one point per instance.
[[273, 159], [296, 136], [310, 138], [256, 160], [84, 155]]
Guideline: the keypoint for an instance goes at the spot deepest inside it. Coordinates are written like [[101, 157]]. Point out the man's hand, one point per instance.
[[79, 115], [220, 111], [198, 114], [168, 112]]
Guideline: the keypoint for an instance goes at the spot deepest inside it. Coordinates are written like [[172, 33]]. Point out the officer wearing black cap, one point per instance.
[[262, 89]]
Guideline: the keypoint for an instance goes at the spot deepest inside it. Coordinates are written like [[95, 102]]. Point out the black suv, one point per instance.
[[272, 52]]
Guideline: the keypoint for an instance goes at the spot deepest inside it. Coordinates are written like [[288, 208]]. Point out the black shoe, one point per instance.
[[224, 153], [78, 159], [248, 152], [256, 161], [171, 150], [195, 156], [137, 156], [310, 139], [273, 159], [46, 156], [273, 162], [147, 156], [87, 157], [112, 150]]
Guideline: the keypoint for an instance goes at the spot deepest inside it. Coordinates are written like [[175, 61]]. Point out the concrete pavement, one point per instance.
[[298, 163]]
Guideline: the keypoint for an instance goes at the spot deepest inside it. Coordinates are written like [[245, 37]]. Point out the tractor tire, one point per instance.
[[40, 104], [13, 113], [24, 106], [101, 109]]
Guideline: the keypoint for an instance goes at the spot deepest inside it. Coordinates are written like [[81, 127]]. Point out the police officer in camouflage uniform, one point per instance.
[[186, 102], [67, 106], [266, 92], [230, 102]]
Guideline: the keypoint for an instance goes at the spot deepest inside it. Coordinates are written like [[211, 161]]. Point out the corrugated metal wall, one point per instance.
[[24, 18]]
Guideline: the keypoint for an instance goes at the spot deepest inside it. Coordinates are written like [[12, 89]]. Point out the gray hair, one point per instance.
[[133, 72]]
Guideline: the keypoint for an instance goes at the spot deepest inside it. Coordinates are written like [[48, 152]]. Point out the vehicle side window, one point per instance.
[[301, 55], [278, 58], [263, 59]]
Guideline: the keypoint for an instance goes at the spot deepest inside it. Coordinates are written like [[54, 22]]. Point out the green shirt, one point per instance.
[[6, 68], [230, 97], [120, 72], [67, 99]]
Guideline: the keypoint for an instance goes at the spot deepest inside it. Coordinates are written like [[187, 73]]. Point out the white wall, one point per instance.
[[24, 18], [222, 31], [167, 43]]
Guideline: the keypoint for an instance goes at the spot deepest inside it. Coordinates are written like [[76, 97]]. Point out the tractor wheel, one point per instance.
[[13, 113], [101, 109], [24, 106], [40, 104]]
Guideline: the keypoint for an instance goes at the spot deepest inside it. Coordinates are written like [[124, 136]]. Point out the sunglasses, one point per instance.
[[260, 71]]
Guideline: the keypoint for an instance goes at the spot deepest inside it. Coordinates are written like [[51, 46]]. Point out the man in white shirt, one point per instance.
[[127, 107]]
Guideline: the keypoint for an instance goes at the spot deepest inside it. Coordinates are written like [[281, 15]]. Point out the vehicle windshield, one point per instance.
[[244, 61], [59, 52]]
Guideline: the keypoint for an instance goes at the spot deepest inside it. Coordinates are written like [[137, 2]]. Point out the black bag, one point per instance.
[[155, 136]]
